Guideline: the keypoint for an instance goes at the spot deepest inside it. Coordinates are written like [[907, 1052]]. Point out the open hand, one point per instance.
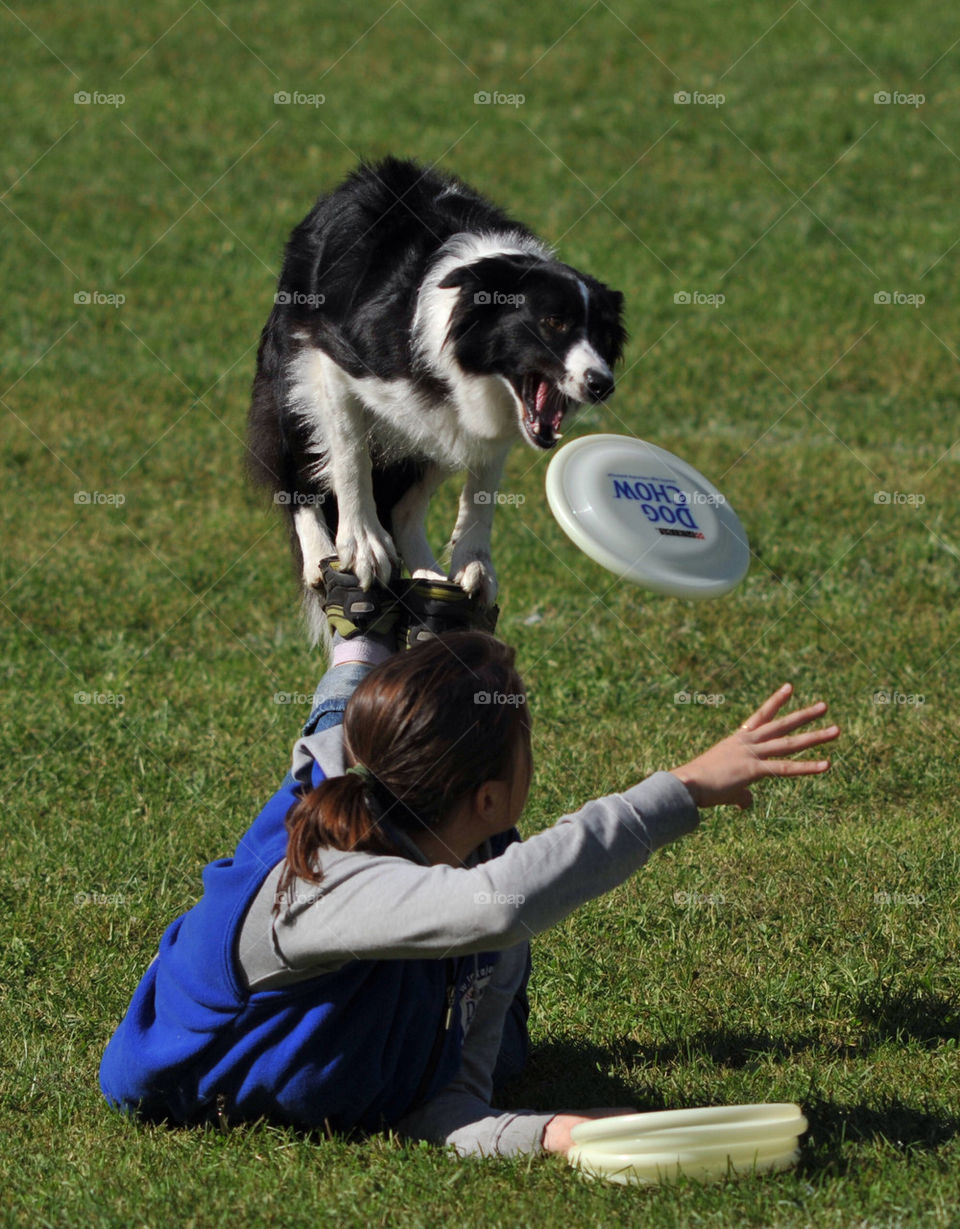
[[723, 774]]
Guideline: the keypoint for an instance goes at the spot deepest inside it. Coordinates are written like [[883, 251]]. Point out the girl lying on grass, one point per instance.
[[361, 961]]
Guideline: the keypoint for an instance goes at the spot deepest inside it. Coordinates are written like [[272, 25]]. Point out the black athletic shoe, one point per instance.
[[432, 607], [351, 610]]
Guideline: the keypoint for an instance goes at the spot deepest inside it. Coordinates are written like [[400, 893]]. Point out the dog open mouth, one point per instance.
[[543, 408]]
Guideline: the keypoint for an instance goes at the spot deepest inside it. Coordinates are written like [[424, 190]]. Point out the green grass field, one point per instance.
[[806, 950]]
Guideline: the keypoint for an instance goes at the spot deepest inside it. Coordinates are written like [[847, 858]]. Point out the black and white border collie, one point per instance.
[[417, 331]]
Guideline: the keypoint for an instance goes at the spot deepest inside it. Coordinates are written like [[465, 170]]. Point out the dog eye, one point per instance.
[[555, 323]]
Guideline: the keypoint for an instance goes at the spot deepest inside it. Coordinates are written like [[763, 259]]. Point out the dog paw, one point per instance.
[[312, 575], [368, 553], [478, 578], [428, 574]]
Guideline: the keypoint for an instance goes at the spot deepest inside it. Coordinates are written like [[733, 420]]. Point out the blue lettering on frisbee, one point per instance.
[[661, 501]]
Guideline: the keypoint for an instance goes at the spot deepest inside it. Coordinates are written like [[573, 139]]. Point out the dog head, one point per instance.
[[550, 333]]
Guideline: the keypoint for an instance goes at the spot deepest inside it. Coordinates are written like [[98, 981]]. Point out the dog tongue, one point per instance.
[[540, 400]]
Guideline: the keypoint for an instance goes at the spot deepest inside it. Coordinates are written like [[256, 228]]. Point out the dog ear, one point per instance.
[[502, 271], [615, 301], [459, 275]]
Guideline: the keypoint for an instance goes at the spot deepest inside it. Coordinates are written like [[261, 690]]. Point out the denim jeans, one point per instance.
[[329, 701], [333, 691]]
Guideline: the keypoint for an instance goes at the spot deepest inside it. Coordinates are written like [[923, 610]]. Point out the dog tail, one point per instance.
[[268, 461], [315, 622]]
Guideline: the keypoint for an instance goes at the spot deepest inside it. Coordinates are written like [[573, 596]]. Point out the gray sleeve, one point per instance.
[[470, 1126], [381, 907], [460, 1115]]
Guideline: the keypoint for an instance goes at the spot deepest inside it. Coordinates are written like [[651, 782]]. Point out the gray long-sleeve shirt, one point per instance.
[[374, 906]]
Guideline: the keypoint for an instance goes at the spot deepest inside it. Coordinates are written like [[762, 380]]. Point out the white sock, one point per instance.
[[370, 648]]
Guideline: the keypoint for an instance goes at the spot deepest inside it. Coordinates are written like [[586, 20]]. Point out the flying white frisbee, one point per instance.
[[648, 516]]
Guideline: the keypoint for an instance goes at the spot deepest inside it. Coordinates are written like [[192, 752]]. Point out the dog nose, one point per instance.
[[599, 383]]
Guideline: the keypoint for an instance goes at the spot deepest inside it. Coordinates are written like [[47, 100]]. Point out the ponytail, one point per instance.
[[422, 731], [339, 814]]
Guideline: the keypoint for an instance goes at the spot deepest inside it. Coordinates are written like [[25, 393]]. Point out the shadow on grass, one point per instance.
[[573, 1075], [834, 1125], [910, 1013]]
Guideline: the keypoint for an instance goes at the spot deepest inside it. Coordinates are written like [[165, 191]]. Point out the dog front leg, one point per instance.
[[408, 524], [315, 544], [471, 565], [363, 546]]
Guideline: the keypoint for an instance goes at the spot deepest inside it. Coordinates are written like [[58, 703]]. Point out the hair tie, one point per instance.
[[363, 772], [372, 789], [380, 797]]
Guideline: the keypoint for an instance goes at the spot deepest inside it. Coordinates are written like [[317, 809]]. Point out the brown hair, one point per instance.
[[424, 729]]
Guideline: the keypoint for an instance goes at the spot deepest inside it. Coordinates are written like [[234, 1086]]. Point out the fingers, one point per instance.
[[799, 742], [794, 768], [792, 721], [769, 708]]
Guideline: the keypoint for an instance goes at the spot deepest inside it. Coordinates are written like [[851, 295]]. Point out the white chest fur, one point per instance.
[[458, 432]]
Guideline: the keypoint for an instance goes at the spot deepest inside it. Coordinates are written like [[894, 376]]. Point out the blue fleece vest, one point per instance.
[[352, 1048]]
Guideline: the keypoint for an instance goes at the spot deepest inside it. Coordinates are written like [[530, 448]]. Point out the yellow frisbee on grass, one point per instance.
[[706, 1144]]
